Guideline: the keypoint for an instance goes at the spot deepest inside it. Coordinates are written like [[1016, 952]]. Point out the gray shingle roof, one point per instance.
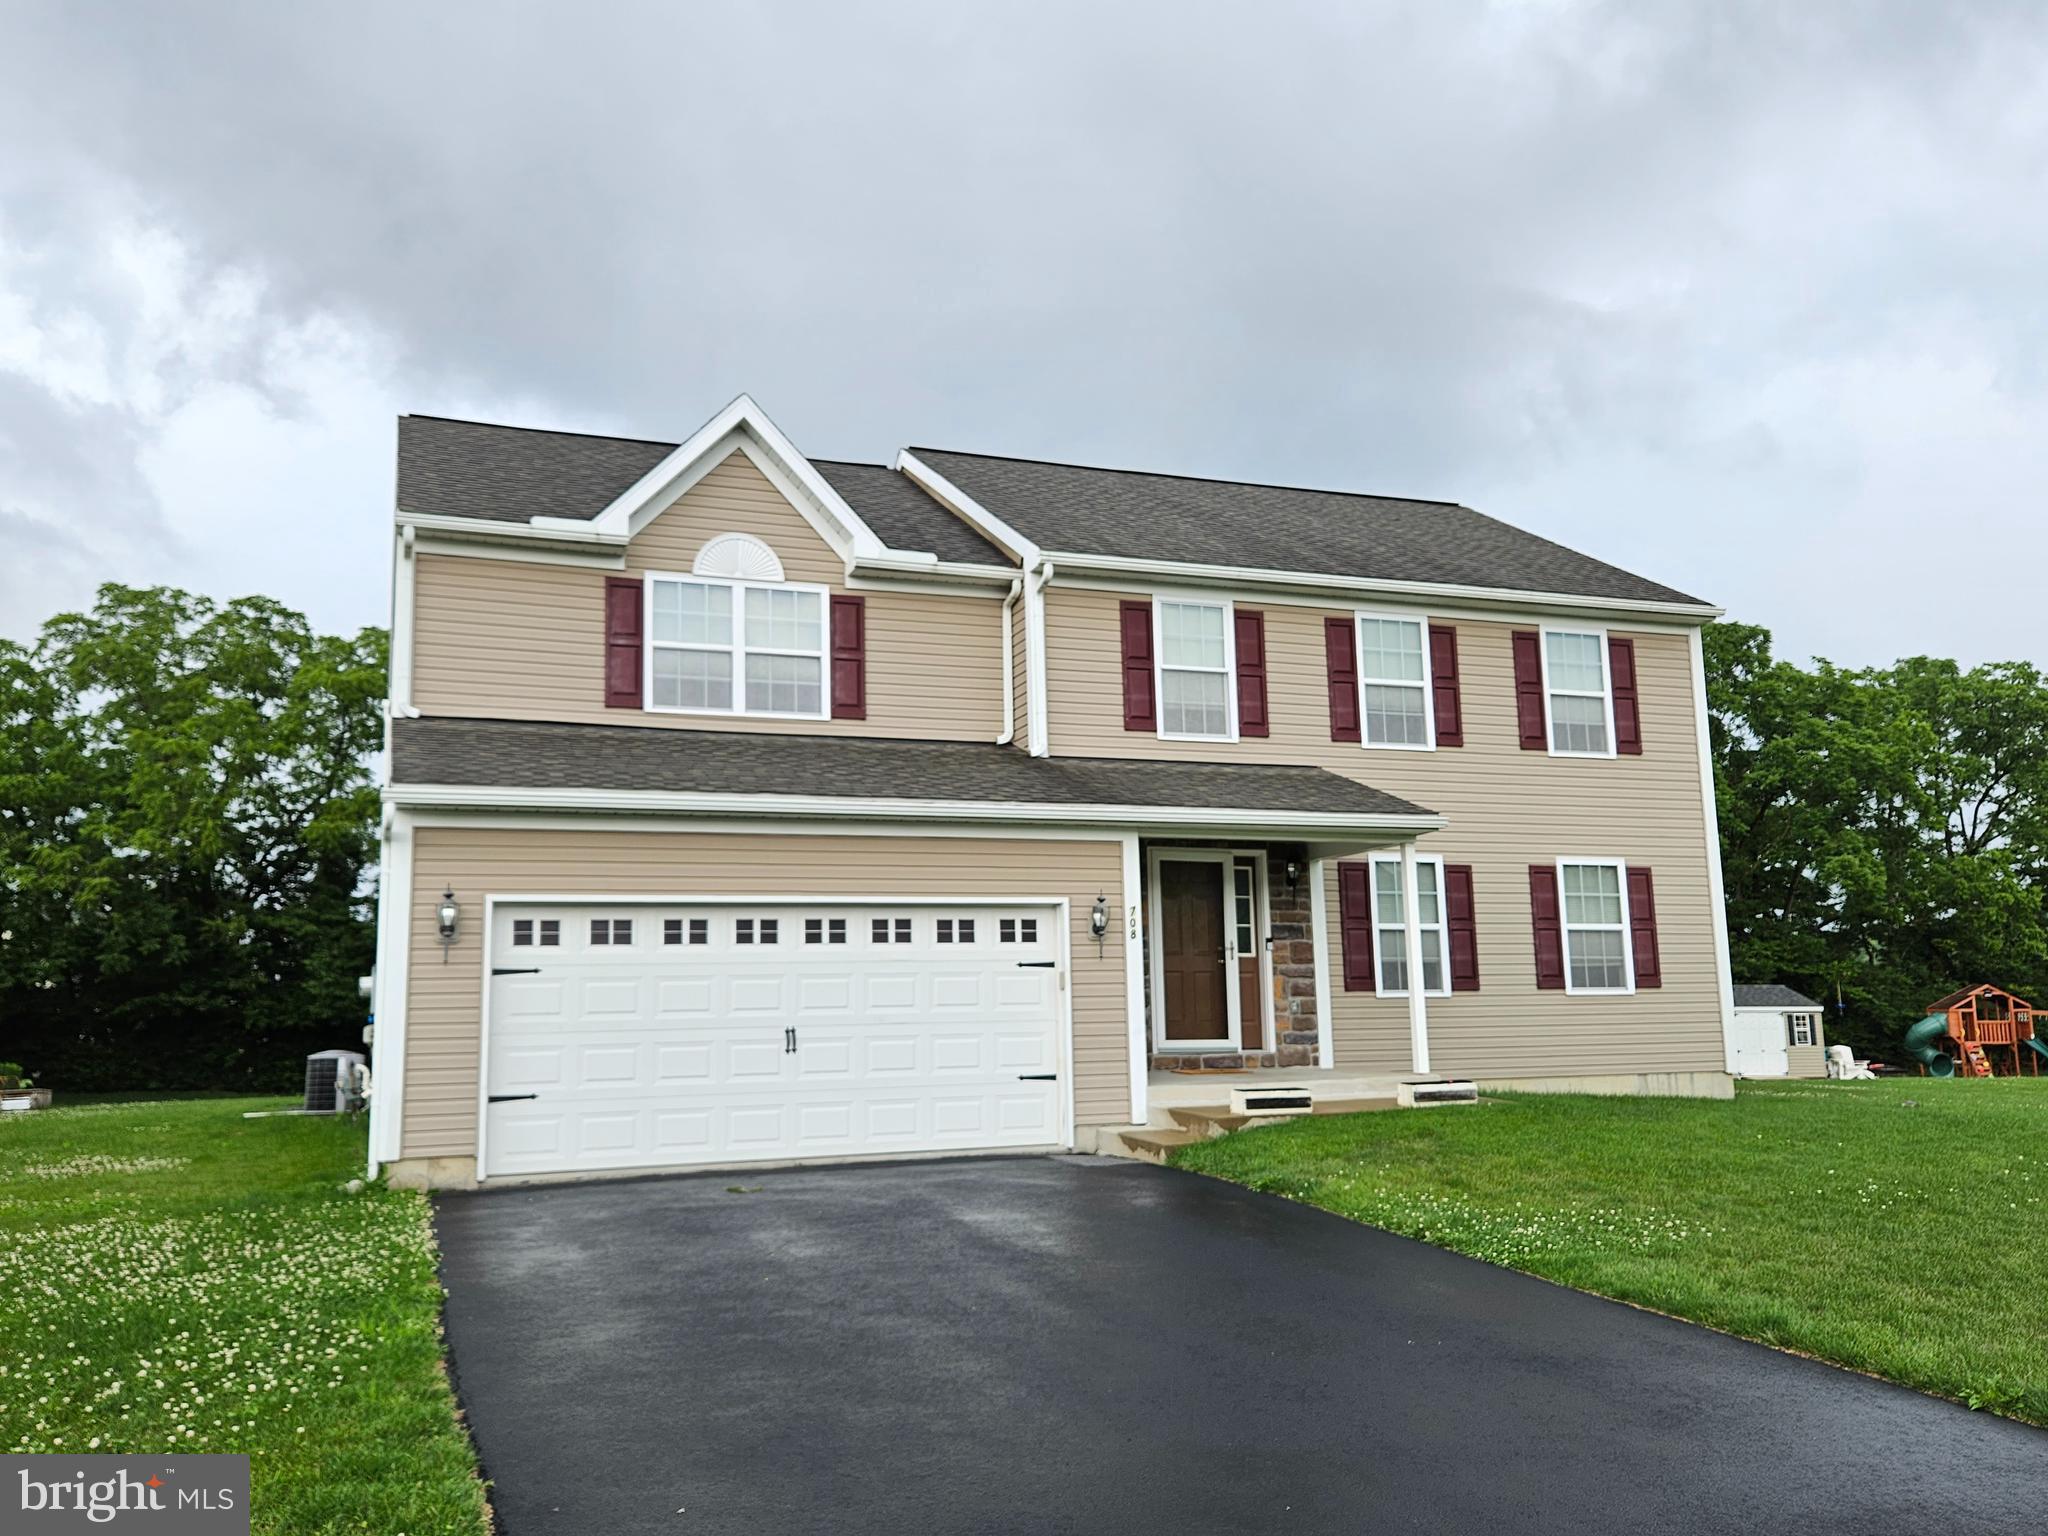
[[509, 474], [1078, 510], [450, 468], [1771, 995], [903, 516], [547, 755]]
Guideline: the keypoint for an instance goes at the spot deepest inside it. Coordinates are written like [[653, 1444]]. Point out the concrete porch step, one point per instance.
[[1211, 1121], [1153, 1146]]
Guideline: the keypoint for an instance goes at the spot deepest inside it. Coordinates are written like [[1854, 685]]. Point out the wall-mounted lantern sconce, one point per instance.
[[1098, 922], [449, 913], [1293, 874]]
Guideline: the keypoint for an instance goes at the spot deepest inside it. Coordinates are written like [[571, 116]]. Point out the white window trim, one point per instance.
[[1802, 1021], [1606, 683], [738, 648], [1442, 925], [1565, 926], [1421, 622], [1159, 668]]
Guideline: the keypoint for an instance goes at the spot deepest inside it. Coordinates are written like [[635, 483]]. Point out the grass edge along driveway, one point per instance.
[[174, 1277], [1897, 1227]]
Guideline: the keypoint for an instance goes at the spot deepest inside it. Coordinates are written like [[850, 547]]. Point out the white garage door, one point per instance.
[[1760, 1045], [634, 1036]]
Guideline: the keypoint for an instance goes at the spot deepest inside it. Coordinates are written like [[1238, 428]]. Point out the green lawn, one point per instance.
[[1897, 1227], [174, 1277]]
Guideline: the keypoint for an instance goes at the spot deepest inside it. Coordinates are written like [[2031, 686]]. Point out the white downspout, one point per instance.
[[1411, 936], [1010, 665], [1037, 729]]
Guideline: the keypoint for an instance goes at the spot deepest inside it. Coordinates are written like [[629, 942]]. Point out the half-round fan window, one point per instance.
[[738, 557]]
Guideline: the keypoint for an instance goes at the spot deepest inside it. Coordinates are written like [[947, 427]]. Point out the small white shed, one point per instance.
[[1777, 1033]]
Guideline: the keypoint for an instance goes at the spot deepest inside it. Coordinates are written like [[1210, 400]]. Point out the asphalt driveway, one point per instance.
[[1073, 1344]]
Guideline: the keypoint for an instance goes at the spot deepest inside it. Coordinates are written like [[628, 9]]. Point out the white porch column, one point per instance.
[[1319, 937], [1411, 935]]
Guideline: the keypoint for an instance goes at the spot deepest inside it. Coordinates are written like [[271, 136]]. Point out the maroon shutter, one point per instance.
[[849, 657], [1251, 673], [1621, 677], [1461, 919], [1529, 691], [1139, 713], [622, 642], [1443, 684], [1548, 923], [1642, 927], [1354, 924], [1340, 653]]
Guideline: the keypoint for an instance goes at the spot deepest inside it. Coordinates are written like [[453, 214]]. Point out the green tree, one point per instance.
[[187, 836], [1884, 831]]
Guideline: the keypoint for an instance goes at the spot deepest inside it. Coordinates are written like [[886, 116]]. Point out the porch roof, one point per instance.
[[544, 764]]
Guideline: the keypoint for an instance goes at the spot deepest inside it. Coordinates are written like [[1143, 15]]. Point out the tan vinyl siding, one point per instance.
[[1020, 676], [444, 1000], [1506, 808], [1806, 1061], [512, 640]]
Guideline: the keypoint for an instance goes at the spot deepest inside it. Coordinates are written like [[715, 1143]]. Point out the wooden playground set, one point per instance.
[[1978, 1031]]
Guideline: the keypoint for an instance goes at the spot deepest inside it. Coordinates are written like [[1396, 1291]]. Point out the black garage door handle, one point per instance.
[[515, 970], [1036, 965], [1038, 1077], [510, 1098]]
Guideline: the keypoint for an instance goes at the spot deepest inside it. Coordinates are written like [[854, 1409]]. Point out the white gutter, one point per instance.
[[1346, 586], [483, 530], [855, 808], [1010, 665]]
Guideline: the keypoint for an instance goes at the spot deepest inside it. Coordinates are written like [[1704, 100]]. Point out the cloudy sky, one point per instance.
[[1750, 298]]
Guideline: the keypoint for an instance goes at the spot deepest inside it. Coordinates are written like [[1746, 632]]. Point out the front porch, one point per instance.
[[1238, 956]]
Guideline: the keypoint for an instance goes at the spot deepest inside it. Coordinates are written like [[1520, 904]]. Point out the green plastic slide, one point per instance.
[[1922, 1043], [2035, 1045]]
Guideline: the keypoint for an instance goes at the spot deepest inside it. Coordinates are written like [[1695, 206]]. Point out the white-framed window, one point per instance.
[[1390, 935], [1578, 693], [1802, 1029], [1393, 682], [723, 647], [1593, 907], [1196, 647]]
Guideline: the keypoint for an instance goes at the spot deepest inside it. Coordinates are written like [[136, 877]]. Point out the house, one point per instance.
[[1777, 1033], [742, 806]]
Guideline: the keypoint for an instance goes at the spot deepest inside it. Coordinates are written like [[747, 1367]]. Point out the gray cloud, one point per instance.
[[1743, 296]]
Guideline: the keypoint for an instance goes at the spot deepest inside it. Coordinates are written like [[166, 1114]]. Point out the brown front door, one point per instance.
[[1191, 952]]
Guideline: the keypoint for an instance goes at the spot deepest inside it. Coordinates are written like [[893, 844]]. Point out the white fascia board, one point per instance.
[[960, 504], [915, 574], [562, 532], [741, 420], [1271, 823], [1352, 588]]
